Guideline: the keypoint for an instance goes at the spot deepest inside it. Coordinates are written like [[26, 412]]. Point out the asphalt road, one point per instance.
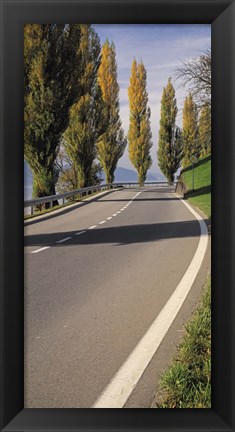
[[109, 268]]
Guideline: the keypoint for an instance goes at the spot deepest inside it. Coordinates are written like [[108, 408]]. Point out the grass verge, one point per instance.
[[187, 381], [200, 197], [60, 206]]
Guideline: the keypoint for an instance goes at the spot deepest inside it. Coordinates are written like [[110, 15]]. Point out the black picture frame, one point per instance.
[[221, 15]]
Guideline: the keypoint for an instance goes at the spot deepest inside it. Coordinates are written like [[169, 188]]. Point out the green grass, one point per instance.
[[200, 197], [60, 206], [187, 381], [51, 209]]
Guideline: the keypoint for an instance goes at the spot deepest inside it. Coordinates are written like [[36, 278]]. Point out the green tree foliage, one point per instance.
[[191, 144], [204, 128], [139, 135], [112, 143], [170, 137], [86, 115], [51, 72], [68, 177]]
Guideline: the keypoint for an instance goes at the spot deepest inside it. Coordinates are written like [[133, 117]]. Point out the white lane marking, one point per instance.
[[80, 233], [41, 249], [92, 227], [136, 195], [64, 240], [124, 381]]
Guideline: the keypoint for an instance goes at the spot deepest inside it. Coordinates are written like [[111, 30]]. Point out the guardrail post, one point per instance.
[[31, 210]]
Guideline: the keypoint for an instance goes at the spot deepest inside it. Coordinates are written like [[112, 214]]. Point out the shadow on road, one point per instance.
[[101, 199], [119, 235], [66, 210]]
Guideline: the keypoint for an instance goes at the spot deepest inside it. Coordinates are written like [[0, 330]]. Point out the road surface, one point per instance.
[[96, 277]]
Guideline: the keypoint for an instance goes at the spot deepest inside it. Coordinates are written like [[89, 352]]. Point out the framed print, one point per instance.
[[15, 14]]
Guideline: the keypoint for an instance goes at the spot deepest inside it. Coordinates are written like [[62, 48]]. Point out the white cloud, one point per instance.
[[162, 48]]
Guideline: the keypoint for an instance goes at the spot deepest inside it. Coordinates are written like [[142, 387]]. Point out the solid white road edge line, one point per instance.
[[41, 249], [125, 380]]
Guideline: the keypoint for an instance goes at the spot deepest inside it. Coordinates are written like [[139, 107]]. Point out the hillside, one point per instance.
[[200, 197], [186, 383]]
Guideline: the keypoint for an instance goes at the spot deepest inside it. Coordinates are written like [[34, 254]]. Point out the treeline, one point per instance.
[[71, 106], [175, 145], [72, 125]]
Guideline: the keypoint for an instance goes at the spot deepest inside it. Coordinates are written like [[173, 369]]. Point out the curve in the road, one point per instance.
[[116, 394], [63, 240]]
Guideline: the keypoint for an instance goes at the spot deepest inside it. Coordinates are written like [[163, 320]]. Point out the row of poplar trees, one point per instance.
[[176, 146], [71, 108], [71, 100]]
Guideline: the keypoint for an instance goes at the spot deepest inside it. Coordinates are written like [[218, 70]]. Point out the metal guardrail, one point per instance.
[[84, 192]]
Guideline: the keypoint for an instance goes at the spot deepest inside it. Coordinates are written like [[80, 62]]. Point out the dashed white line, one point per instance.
[[41, 249], [64, 240], [92, 227], [80, 232]]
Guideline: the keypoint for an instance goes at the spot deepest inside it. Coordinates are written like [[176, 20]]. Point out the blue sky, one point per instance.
[[162, 48]]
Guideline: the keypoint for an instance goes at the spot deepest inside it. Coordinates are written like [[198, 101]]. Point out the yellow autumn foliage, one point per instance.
[[139, 135]]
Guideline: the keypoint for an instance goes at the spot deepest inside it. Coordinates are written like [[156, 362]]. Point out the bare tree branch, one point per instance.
[[195, 76]]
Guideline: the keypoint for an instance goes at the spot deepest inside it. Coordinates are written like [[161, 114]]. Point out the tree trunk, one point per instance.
[[141, 178], [81, 179], [44, 185], [171, 178], [109, 177]]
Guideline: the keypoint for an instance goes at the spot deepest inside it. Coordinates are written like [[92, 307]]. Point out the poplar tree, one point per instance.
[[170, 137], [191, 144], [86, 115], [51, 70], [204, 130], [139, 135], [112, 143]]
